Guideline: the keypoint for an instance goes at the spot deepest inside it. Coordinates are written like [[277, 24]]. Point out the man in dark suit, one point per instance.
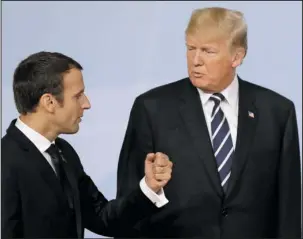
[[45, 192], [234, 144]]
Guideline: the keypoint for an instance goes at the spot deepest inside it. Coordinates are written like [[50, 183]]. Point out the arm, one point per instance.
[[118, 217], [115, 217], [11, 217], [289, 183]]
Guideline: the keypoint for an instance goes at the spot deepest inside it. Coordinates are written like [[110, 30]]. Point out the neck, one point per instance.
[[40, 125], [227, 82]]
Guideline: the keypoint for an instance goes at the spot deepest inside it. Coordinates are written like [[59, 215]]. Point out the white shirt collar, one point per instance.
[[230, 93], [37, 139]]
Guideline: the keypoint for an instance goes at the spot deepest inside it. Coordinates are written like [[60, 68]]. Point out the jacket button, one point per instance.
[[224, 212]]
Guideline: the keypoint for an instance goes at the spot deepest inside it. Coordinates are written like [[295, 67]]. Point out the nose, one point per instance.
[[198, 58], [86, 104]]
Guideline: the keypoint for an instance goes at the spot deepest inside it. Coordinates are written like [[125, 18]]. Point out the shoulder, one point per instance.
[[10, 151], [169, 90], [269, 97], [161, 95]]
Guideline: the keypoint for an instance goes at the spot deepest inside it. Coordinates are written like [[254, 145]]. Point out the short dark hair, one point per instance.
[[38, 74]]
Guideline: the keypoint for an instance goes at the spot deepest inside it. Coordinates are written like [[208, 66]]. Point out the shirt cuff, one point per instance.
[[158, 199]]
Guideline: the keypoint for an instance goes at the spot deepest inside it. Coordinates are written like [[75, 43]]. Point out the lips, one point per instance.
[[197, 74]]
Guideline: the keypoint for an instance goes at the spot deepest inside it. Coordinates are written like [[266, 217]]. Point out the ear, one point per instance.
[[238, 57], [48, 102]]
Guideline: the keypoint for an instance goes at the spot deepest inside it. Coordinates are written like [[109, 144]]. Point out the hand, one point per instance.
[[158, 171]]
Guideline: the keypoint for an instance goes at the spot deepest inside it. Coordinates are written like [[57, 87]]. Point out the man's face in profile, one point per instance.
[[68, 114]]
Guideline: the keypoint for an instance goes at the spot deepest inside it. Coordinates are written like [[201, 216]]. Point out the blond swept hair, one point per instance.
[[218, 22]]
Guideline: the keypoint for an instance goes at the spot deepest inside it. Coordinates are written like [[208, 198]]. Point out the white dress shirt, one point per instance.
[[228, 106], [43, 144]]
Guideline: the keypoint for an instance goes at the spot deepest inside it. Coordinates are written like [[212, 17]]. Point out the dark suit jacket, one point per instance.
[[263, 198], [33, 204]]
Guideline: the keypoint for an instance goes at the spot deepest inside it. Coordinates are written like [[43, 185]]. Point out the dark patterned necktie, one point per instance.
[[57, 161]]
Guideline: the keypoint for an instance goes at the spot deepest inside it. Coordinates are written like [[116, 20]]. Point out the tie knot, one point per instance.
[[53, 151], [217, 98]]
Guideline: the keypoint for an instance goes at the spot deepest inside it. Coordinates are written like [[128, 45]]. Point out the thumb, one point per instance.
[[150, 158]]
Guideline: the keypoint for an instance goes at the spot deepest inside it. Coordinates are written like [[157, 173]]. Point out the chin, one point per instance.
[[72, 131], [201, 83], [75, 131]]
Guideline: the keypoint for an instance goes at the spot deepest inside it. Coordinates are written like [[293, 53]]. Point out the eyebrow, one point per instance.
[[80, 92], [206, 46]]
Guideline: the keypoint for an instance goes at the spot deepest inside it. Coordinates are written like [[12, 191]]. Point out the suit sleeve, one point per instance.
[[11, 214], [289, 182], [116, 217]]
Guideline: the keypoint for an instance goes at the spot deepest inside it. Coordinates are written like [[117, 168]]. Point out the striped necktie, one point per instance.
[[222, 142]]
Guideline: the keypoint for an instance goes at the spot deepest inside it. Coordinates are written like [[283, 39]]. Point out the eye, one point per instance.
[[190, 48], [79, 96], [209, 51]]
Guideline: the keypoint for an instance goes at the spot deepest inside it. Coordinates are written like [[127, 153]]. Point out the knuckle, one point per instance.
[[158, 154]]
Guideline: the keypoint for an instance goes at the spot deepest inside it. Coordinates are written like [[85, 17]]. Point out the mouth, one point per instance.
[[197, 74]]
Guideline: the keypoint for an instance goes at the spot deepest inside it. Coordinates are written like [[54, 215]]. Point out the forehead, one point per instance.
[[73, 81], [209, 39]]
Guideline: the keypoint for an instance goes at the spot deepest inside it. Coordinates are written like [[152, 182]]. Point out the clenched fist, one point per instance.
[[158, 171]]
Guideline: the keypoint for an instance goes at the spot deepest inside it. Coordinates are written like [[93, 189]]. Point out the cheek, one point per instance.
[[70, 112], [189, 60], [190, 57], [216, 66], [212, 66]]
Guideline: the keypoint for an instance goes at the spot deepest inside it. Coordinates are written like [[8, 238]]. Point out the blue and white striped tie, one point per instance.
[[221, 139]]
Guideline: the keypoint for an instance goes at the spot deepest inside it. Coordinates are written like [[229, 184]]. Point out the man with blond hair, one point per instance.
[[234, 144]]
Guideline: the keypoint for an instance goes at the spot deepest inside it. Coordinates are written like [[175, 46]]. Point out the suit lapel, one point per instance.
[[193, 116], [48, 174], [247, 121], [37, 160], [67, 156], [46, 171]]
